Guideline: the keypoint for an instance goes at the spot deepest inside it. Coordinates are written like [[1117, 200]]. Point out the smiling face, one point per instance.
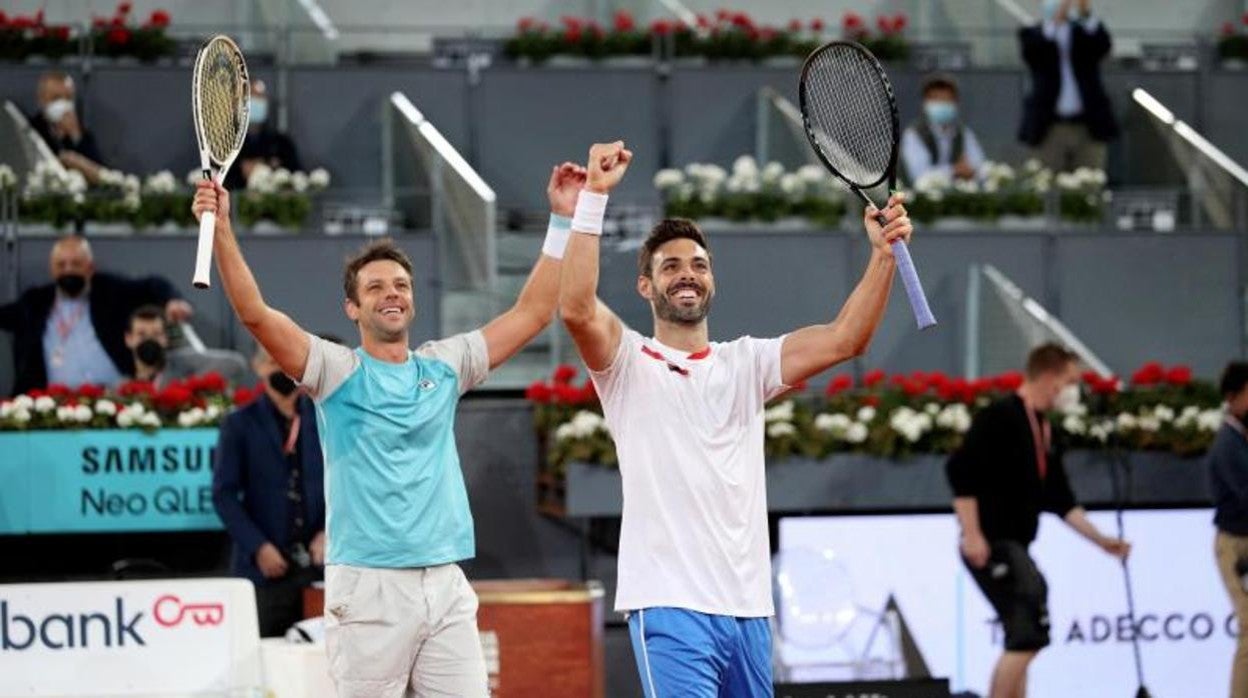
[[383, 305], [680, 285]]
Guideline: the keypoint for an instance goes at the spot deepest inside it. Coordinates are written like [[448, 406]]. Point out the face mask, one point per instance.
[[1067, 399], [940, 112], [1048, 10], [259, 110], [282, 383], [56, 110], [150, 352], [71, 284]]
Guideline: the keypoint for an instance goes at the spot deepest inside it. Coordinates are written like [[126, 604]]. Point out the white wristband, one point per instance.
[[590, 209], [557, 234]]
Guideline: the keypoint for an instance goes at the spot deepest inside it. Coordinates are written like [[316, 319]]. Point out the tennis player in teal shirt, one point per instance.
[[400, 615]]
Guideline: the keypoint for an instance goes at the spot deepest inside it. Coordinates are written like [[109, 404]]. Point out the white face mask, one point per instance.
[[56, 110], [1067, 398]]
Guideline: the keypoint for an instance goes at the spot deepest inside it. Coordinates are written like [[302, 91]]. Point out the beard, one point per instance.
[[680, 314]]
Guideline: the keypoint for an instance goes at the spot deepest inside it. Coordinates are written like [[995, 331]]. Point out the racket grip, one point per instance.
[[914, 287], [203, 251]]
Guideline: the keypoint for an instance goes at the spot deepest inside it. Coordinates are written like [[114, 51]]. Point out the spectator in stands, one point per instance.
[[1228, 465], [148, 340], [264, 144], [72, 331], [58, 124], [267, 488], [1006, 472], [1067, 117], [938, 141]]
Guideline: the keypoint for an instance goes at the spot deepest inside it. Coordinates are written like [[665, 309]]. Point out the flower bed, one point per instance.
[[749, 193], [725, 36], [197, 401], [1233, 41], [1003, 191], [1161, 410]]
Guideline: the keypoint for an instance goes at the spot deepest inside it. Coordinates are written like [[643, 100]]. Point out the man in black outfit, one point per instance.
[[1067, 117], [1228, 470], [264, 144], [72, 331], [268, 489], [1005, 474]]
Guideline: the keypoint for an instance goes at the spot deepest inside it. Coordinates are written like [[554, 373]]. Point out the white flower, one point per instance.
[[586, 423], [792, 186], [6, 408], [1067, 181], [75, 182], [1163, 413], [1101, 431], [318, 178], [23, 402], [955, 417], [1149, 423], [1074, 425], [932, 182], [866, 414], [932, 409], [299, 182], [190, 418], [1187, 418], [1209, 420], [194, 177], [44, 404], [856, 433], [65, 413], [837, 423], [8, 178], [1126, 420], [910, 424], [125, 420], [780, 413], [772, 173], [281, 178], [150, 419], [668, 179], [781, 429], [83, 413], [565, 431], [260, 179], [745, 166], [162, 182], [106, 407], [21, 415], [1032, 166], [211, 413], [812, 174]]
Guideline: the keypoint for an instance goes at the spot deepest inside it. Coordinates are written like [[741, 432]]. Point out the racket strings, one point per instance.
[[850, 114], [222, 98]]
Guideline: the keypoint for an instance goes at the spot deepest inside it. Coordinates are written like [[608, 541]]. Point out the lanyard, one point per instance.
[[1040, 435], [292, 436], [65, 324]]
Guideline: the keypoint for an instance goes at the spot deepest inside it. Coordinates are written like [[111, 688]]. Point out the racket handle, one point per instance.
[[914, 287], [203, 251]]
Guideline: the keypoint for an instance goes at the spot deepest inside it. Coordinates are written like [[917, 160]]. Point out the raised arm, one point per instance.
[[285, 341], [595, 329], [535, 307], [813, 349]]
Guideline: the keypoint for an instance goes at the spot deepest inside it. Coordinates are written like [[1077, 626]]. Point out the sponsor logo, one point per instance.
[[117, 626]]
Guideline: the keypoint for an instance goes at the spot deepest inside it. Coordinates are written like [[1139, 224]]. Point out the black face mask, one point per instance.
[[71, 284], [150, 352], [282, 383]]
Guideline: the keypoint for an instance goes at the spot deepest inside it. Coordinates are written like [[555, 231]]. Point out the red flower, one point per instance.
[[243, 396], [873, 378], [884, 24], [914, 388], [1008, 382], [839, 384], [900, 21], [767, 34], [209, 382], [4, 19], [58, 390], [816, 25], [589, 394], [572, 35], [89, 391], [22, 23], [538, 392], [624, 22], [1244, 18], [38, 18], [118, 36], [742, 21], [660, 27], [158, 19], [898, 381], [596, 30], [703, 22], [124, 8], [1179, 376], [99, 22], [570, 22], [567, 394], [525, 24], [173, 397], [1228, 28], [565, 373], [852, 22], [795, 25], [1150, 373], [60, 33], [979, 386], [1103, 386], [723, 15], [36, 393], [871, 400], [136, 389]]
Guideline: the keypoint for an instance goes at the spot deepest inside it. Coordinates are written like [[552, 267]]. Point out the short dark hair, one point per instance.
[[385, 248], [664, 232], [1234, 378], [146, 312], [1049, 357], [940, 81]]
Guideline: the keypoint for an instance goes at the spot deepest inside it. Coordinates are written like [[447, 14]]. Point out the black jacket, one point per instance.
[[1087, 50], [112, 299], [84, 146], [996, 465]]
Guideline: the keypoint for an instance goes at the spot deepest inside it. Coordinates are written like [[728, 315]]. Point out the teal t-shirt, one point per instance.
[[394, 491]]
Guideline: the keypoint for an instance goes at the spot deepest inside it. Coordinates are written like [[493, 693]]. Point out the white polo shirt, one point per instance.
[[689, 433]]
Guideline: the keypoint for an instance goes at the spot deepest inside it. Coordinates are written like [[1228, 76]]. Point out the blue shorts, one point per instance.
[[686, 653]]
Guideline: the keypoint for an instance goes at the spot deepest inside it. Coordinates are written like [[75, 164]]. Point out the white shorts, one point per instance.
[[403, 632]]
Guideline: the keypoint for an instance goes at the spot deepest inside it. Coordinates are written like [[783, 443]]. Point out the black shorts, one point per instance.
[[1018, 593]]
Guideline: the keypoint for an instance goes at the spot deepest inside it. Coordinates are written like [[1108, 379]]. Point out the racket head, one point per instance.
[[220, 101], [849, 112]]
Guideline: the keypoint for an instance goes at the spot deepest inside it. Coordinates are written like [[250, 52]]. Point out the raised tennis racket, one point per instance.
[[850, 115], [220, 91]]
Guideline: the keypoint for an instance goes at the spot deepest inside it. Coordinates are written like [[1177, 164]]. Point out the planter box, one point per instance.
[[851, 483]]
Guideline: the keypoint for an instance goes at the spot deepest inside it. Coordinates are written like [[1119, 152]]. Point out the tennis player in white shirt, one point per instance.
[[687, 418]]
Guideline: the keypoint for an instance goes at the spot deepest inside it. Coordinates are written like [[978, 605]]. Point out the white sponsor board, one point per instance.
[[140, 638], [1184, 618]]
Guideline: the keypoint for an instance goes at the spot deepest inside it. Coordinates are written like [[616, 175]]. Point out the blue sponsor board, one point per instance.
[[107, 480]]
